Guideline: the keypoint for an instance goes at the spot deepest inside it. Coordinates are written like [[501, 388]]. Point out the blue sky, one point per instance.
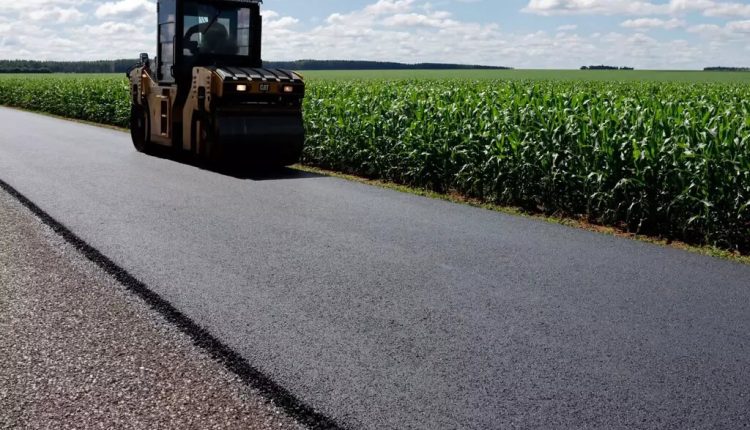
[[657, 34]]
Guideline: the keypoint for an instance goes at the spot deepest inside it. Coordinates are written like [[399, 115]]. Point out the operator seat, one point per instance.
[[216, 41]]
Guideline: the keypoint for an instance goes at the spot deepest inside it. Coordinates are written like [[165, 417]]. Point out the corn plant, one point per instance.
[[96, 98]]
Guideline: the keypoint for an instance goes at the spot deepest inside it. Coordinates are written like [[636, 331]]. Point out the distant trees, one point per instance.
[[727, 69], [370, 65], [603, 67], [25, 70], [27, 66], [122, 66]]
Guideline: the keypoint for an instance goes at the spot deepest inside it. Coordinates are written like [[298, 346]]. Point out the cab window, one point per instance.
[[212, 30]]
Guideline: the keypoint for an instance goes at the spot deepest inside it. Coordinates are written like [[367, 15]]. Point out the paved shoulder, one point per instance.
[[76, 351]]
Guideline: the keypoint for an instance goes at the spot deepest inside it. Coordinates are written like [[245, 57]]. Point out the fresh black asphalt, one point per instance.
[[388, 310]]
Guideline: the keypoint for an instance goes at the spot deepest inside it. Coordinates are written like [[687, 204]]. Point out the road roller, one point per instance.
[[206, 93]]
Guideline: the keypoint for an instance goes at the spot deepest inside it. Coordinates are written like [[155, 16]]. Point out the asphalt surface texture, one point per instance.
[[78, 351], [388, 310]]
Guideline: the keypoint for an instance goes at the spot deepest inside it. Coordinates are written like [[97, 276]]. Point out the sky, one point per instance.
[[646, 34]]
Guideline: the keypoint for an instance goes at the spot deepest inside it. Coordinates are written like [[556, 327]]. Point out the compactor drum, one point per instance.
[[207, 92]]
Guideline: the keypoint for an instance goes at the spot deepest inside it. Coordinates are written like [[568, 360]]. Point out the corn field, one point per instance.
[[667, 159], [96, 98]]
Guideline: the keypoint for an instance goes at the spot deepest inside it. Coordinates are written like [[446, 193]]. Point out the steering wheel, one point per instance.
[[189, 44]]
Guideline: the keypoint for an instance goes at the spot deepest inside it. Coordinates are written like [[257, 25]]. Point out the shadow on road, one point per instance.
[[253, 173]]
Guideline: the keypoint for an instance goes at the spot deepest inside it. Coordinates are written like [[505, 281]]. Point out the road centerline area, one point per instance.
[[389, 310]]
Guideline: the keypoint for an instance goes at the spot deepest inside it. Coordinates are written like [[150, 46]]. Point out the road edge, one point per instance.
[[576, 223], [215, 348]]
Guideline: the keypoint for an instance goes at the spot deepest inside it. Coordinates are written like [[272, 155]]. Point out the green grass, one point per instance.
[[536, 75], [669, 159]]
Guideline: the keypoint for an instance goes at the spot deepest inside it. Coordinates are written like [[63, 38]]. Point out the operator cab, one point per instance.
[[206, 33]]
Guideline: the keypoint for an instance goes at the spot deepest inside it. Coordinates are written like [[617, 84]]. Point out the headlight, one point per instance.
[[241, 87], [288, 89]]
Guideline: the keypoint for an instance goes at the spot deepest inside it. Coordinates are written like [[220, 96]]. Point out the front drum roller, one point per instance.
[[256, 141]]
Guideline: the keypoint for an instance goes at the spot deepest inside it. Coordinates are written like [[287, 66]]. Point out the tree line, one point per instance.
[[372, 65], [603, 67], [121, 66], [727, 69], [29, 66]]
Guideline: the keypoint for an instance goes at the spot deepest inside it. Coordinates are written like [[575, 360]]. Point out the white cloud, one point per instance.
[[711, 8], [400, 30], [403, 31], [651, 23], [739, 26], [139, 11], [76, 29], [411, 31], [728, 10], [594, 7], [53, 15], [29, 5], [733, 32]]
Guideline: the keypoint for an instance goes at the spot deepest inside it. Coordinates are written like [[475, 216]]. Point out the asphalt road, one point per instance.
[[388, 310], [66, 363]]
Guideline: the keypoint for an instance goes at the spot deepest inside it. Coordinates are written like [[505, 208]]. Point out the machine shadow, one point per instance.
[[251, 173]]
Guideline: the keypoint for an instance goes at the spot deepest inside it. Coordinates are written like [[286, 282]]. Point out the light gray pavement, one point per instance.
[[388, 310], [77, 351]]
